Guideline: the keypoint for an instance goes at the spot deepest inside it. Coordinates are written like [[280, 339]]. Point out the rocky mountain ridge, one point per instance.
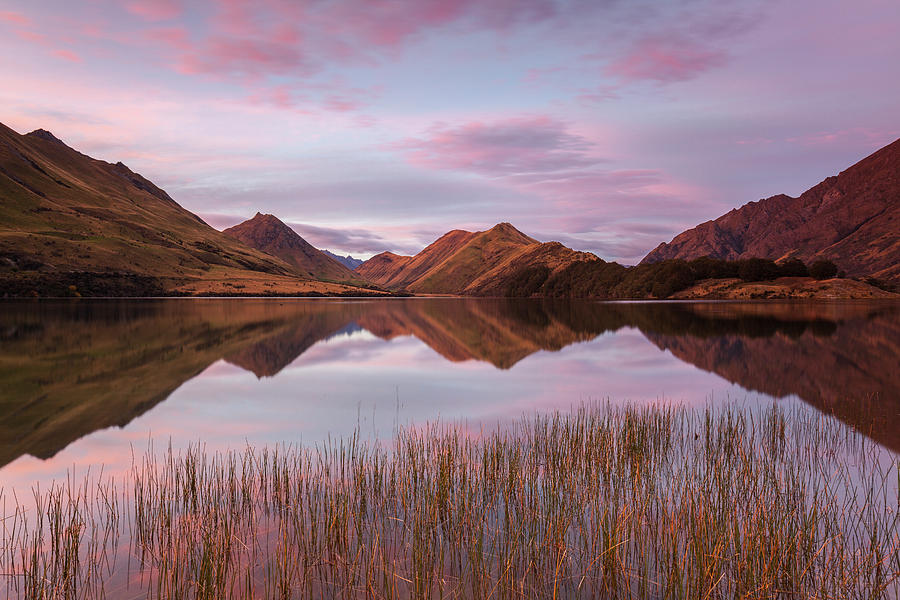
[[852, 219]]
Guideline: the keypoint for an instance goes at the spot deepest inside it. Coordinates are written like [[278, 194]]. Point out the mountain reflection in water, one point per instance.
[[70, 368]]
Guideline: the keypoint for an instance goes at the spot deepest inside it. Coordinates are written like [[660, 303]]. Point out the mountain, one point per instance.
[[852, 219], [463, 262], [348, 261], [269, 234], [71, 224]]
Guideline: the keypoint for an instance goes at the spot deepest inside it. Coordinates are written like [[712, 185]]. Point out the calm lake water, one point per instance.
[[91, 383]]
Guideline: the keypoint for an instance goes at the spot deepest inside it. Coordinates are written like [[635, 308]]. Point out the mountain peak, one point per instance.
[[507, 230], [273, 236], [462, 262], [266, 230], [45, 135]]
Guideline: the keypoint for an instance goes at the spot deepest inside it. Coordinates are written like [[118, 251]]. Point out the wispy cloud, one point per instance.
[[611, 125], [511, 147], [576, 189], [15, 18], [665, 59], [156, 10]]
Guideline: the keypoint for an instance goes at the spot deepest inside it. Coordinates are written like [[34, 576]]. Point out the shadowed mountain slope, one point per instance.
[[66, 218], [852, 219], [269, 234], [463, 262]]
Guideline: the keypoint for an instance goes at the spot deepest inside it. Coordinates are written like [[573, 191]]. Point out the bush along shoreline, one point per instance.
[[660, 280]]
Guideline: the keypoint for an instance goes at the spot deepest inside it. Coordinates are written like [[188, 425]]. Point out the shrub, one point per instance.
[[527, 281], [757, 269], [823, 269], [713, 268], [793, 267]]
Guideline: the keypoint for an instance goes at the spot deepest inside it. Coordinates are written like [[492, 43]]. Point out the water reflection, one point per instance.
[[68, 369]]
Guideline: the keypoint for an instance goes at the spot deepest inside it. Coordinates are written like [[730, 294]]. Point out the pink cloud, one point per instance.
[[48, 44], [339, 104], [847, 137], [174, 37], [243, 58], [538, 144], [599, 94], [665, 59], [303, 99], [260, 44], [156, 10], [575, 189], [14, 18], [67, 55], [31, 36]]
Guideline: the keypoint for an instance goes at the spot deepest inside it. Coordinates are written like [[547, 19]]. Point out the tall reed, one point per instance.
[[655, 502]]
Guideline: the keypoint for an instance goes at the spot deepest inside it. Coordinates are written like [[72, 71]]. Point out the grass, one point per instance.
[[655, 502]]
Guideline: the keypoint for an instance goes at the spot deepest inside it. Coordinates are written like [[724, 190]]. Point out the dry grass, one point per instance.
[[606, 502]]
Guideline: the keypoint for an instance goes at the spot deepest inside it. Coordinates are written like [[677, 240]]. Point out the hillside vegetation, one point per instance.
[[74, 225]]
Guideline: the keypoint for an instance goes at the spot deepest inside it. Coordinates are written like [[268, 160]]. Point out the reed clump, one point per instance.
[[656, 502]]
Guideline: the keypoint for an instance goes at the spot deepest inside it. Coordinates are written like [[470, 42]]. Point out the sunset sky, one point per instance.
[[379, 125]]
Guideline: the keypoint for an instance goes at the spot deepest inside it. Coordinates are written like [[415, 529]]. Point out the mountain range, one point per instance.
[[74, 225], [470, 263], [852, 219]]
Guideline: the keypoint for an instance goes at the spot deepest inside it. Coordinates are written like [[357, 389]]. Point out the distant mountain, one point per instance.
[[73, 224], [272, 236], [472, 263], [348, 261], [852, 219]]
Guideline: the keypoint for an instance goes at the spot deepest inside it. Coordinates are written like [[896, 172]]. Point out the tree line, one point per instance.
[[601, 279]]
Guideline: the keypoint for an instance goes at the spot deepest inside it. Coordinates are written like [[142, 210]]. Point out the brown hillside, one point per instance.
[[381, 268], [399, 272], [272, 236], [852, 219], [552, 255], [67, 217], [462, 262]]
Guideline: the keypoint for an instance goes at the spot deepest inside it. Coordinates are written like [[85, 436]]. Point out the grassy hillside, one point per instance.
[[67, 219], [267, 233], [462, 262]]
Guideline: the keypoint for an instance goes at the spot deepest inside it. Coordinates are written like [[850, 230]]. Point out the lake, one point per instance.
[[82, 383], [150, 394]]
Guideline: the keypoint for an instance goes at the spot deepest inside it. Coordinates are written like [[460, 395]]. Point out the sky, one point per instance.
[[608, 125]]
